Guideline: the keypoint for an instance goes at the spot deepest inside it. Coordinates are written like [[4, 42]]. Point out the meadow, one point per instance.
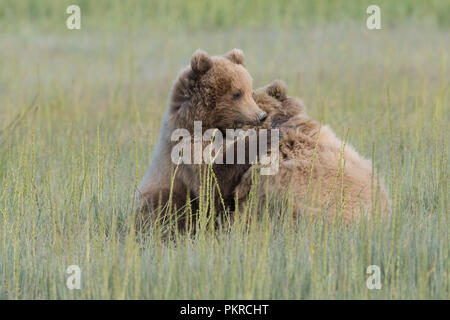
[[80, 112]]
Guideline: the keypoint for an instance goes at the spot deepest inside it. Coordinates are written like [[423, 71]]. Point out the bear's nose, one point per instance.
[[262, 116]]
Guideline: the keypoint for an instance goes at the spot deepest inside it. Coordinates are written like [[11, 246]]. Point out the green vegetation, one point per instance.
[[80, 115], [229, 14]]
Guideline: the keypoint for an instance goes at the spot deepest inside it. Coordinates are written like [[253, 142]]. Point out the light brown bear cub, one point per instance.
[[314, 168], [218, 92]]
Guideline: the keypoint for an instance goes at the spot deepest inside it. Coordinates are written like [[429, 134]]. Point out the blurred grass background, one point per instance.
[[220, 14], [80, 113]]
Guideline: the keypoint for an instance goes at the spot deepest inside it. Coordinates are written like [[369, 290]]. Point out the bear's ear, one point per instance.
[[236, 56], [201, 62], [277, 90]]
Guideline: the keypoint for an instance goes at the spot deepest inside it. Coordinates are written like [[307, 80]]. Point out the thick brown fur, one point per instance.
[[218, 92], [314, 169]]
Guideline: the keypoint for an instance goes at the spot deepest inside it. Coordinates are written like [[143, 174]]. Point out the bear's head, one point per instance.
[[217, 91], [273, 100]]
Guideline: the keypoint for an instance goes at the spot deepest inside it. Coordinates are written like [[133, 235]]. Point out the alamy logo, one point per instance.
[[74, 279], [374, 20], [74, 20], [374, 281], [210, 146]]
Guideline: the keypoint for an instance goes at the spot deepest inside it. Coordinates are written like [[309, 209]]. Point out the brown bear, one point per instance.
[[316, 168], [218, 92]]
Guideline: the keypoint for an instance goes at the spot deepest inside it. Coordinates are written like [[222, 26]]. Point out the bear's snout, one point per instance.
[[262, 116]]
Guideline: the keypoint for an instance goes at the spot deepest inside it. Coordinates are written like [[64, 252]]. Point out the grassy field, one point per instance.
[[80, 113]]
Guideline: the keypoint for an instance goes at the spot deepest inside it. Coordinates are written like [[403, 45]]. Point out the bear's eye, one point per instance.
[[237, 95]]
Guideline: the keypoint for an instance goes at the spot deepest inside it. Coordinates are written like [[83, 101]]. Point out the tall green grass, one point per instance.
[[80, 115]]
